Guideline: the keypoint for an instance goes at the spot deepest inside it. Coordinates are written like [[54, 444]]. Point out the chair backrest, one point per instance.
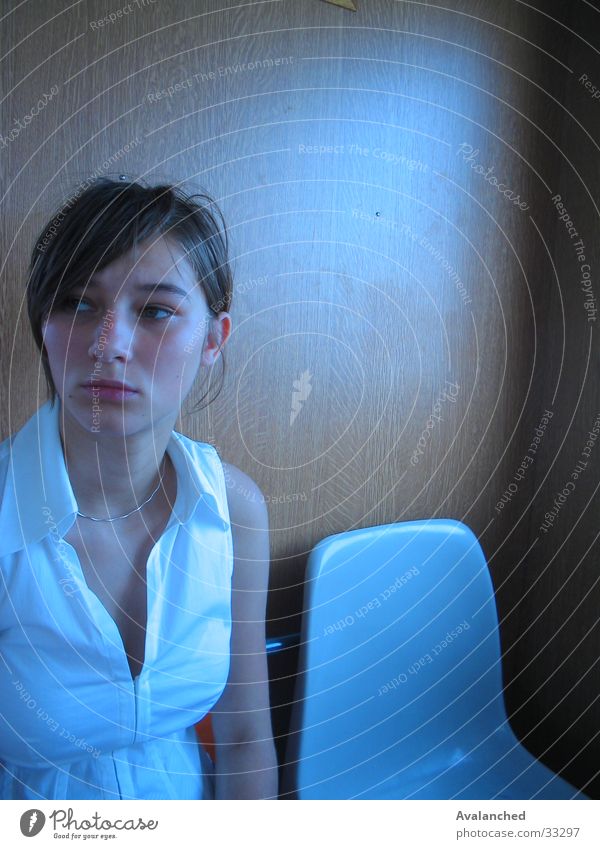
[[399, 653]]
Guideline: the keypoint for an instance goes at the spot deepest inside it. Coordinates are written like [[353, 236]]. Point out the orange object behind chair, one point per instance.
[[204, 730]]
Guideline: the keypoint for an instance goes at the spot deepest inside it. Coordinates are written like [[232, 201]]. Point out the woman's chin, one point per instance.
[[110, 421]]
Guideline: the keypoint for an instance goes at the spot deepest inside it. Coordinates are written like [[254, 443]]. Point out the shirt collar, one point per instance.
[[38, 499]]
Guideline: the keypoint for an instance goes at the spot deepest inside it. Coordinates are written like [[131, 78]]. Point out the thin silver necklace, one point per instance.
[[131, 512]]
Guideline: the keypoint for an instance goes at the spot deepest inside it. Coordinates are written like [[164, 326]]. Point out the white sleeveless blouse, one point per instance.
[[73, 723]]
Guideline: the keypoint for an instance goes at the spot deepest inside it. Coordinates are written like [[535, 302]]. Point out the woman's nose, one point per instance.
[[113, 338]]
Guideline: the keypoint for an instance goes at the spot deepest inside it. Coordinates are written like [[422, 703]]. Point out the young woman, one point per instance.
[[133, 561]]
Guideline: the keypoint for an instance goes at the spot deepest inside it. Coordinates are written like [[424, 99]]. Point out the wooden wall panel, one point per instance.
[[374, 265]]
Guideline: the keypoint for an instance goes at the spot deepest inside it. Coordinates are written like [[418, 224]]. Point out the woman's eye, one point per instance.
[[75, 304], [151, 312]]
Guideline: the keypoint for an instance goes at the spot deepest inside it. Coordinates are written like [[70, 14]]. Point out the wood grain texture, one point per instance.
[[378, 268]]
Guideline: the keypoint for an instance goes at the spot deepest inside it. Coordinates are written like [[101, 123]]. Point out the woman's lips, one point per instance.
[[105, 392]]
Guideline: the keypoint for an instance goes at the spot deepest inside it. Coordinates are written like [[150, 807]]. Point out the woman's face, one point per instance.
[[124, 349]]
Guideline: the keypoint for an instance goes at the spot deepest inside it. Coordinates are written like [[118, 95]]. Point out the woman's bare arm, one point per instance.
[[246, 762]]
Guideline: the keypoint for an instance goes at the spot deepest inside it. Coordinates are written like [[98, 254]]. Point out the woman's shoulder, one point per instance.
[[245, 501], [240, 481], [249, 522], [247, 507]]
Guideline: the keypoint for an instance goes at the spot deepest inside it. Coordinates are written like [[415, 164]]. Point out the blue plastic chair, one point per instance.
[[399, 689]]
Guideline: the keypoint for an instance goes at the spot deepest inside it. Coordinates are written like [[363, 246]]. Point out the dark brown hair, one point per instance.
[[106, 219]]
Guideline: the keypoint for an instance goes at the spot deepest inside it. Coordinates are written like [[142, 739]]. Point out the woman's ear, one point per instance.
[[219, 328]]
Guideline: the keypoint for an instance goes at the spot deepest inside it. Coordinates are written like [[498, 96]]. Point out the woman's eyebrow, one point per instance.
[[164, 286]]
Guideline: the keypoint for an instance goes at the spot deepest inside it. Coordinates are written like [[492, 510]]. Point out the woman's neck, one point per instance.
[[111, 475]]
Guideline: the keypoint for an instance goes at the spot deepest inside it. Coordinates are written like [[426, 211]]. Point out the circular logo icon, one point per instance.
[[32, 822]]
